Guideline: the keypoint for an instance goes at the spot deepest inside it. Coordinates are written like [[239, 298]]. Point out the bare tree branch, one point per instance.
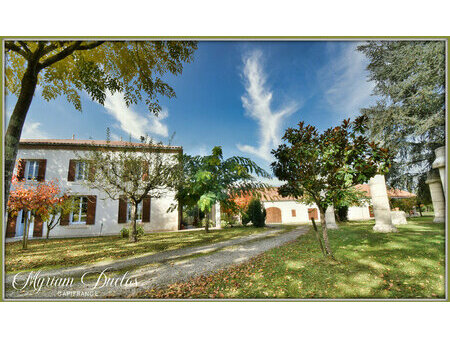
[[51, 47], [91, 45], [10, 45], [25, 47]]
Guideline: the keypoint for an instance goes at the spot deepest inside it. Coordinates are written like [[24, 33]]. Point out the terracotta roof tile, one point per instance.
[[71, 142], [271, 194], [396, 193]]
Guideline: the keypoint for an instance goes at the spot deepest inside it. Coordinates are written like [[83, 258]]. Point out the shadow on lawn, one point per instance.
[[407, 264]]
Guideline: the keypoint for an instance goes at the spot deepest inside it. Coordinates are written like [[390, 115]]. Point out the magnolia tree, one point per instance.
[[324, 167], [210, 179], [39, 198], [133, 171]]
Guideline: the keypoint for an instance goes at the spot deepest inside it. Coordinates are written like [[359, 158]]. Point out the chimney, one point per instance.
[[120, 138], [73, 136]]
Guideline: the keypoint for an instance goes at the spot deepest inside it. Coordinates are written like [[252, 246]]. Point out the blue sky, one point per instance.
[[241, 95]]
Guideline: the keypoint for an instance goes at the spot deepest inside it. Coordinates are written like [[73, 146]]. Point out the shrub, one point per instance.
[[205, 220], [342, 213], [404, 204], [245, 218], [224, 224], [124, 232], [230, 219], [256, 213], [140, 231]]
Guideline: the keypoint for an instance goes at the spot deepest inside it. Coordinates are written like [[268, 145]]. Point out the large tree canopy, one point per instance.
[[409, 117], [132, 172], [209, 179], [66, 68], [135, 68]]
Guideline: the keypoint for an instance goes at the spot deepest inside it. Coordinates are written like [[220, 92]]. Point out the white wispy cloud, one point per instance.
[[257, 104], [344, 80], [131, 122], [201, 151], [33, 130]]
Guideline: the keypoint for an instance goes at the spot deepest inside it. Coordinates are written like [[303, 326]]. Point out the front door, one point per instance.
[[20, 225]]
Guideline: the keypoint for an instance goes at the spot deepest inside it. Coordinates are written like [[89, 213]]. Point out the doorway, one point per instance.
[[20, 224]]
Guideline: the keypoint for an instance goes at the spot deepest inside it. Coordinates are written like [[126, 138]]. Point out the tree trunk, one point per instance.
[[51, 223], [207, 222], [25, 231], [133, 232], [325, 233], [16, 122], [318, 237], [336, 215], [420, 210]]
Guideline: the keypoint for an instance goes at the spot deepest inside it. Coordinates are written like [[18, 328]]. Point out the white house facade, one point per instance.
[[95, 214]]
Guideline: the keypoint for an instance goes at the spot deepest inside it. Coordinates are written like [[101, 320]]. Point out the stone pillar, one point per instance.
[[439, 163], [380, 202], [330, 219], [398, 217], [437, 196], [216, 215]]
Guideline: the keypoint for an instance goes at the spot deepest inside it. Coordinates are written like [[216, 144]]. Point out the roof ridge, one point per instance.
[[94, 143]]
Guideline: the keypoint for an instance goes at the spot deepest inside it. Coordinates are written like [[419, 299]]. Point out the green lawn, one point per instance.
[[55, 253], [407, 264]]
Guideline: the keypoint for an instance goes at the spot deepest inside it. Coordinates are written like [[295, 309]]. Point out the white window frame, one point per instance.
[[35, 169], [78, 165], [138, 212], [79, 211]]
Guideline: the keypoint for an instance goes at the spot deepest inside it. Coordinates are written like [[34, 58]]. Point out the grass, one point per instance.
[[56, 253], [407, 264]]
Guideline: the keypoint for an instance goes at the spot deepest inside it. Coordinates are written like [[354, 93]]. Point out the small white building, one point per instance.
[[96, 214], [288, 210]]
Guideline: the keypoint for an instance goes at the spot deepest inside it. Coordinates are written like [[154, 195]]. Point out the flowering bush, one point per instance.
[[37, 197]]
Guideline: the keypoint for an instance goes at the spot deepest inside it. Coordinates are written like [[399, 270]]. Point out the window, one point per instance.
[[293, 213], [81, 171], [138, 212], [79, 214], [31, 170]]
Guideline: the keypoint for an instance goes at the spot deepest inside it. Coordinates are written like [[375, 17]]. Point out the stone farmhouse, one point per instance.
[[95, 214]]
